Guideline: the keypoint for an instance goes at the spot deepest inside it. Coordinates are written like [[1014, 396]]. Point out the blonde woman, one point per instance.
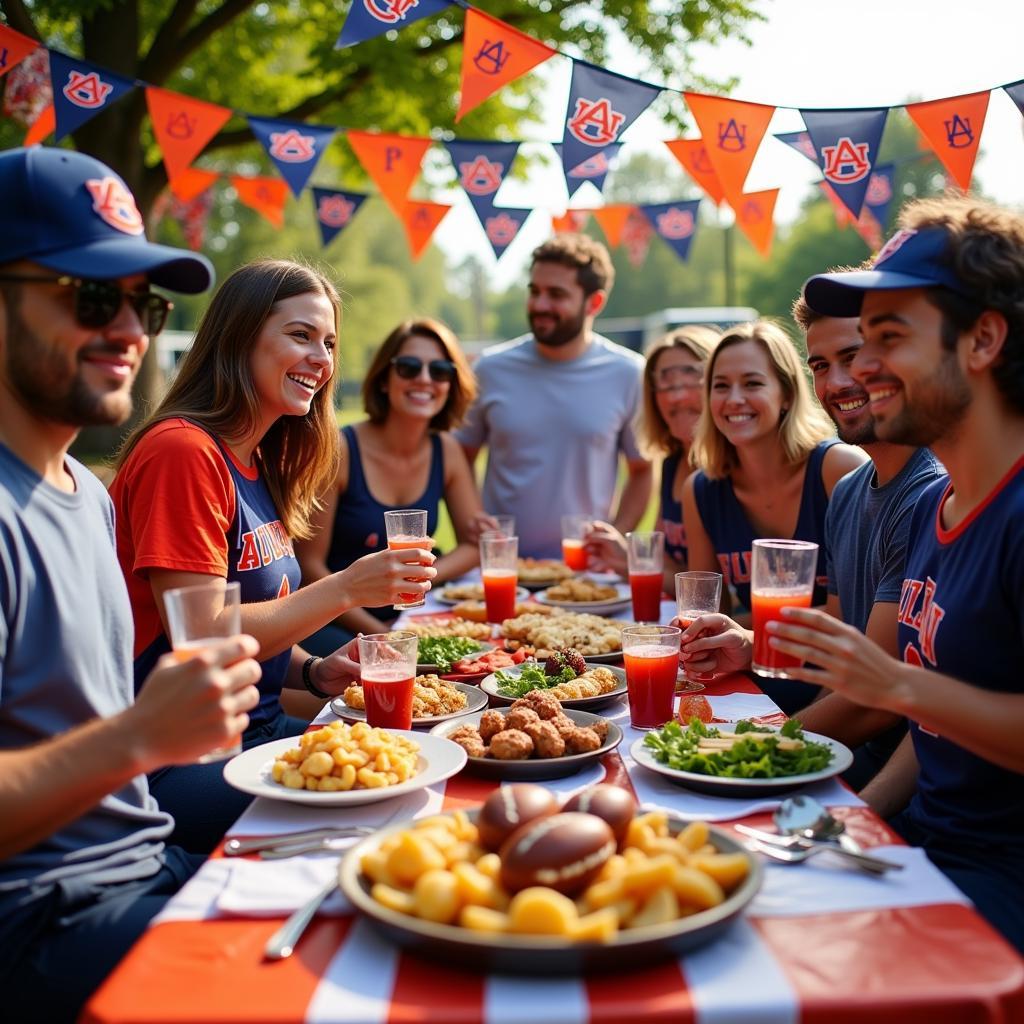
[[673, 398]]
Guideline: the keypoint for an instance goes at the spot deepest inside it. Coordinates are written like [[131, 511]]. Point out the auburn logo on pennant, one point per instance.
[[292, 147], [480, 177], [879, 190], [335, 211], [389, 11], [675, 223], [594, 122], [501, 229], [593, 167], [845, 162], [115, 205], [86, 90]]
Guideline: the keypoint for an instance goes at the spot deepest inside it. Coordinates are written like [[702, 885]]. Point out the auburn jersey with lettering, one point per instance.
[[184, 503], [961, 613]]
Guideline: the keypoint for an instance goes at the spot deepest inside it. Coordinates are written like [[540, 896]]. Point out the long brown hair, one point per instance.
[[214, 386], [463, 388]]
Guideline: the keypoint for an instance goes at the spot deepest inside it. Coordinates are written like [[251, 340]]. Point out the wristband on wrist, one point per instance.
[[307, 678]]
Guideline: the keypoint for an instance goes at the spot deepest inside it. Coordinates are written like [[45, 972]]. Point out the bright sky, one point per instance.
[[809, 53]]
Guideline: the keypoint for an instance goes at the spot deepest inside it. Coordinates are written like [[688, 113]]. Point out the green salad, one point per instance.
[[444, 651], [752, 752], [530, 677]]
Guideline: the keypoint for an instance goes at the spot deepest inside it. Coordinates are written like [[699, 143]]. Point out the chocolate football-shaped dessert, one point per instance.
[[509, 808], [612, 804]]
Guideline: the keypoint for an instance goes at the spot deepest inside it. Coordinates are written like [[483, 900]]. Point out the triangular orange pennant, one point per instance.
[[192, 182], [612, 220], [953, 129], [42, 126], [14, 48], [182, 126], [392, 161], [420, 220], [264, 195], [754, 213], [494, 54], [693, 155], [571, 220], [732, 131]]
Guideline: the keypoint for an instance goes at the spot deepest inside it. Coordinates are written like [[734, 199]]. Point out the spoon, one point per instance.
[[803, 816]]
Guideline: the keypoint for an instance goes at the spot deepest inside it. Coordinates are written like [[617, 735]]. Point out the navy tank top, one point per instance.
[[732, 534], [359, 520], [670, 512], [262, 560]]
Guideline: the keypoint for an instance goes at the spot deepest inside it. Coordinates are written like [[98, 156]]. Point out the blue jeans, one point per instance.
[[59, 946]]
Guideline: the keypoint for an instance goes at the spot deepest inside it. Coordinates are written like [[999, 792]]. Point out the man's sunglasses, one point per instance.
[[410, 367], [98, 302]]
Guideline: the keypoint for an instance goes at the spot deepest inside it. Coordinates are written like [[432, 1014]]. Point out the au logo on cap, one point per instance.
[[115, 205], [894, 244]]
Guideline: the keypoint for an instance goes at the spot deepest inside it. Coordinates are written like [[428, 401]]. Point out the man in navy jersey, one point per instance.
[[942, 316]]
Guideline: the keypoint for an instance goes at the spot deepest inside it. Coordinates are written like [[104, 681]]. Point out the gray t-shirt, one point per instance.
[[65, 658], [554, 431], [867, 529]]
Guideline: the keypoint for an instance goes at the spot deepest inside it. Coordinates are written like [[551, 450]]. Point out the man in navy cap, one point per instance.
[[942, 317], [83, 865]]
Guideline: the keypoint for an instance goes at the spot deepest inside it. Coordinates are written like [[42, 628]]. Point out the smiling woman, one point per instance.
[[217, 484]]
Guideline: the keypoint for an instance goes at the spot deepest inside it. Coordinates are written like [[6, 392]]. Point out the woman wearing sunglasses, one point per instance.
[[672, 402], [218, 482], [417, 388]]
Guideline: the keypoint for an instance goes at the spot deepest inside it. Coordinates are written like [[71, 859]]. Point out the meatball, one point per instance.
[[469, 739], [581, 741], [491, 722], [601, 728], [511, 745], [521, 718], [546, 741], [563, 723], [543, 703]]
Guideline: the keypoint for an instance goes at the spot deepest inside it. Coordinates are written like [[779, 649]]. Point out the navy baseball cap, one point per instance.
[[73, 214], [910, 259]]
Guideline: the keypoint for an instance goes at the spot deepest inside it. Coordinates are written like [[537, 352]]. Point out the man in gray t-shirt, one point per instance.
[[557, 406], [83, 865]]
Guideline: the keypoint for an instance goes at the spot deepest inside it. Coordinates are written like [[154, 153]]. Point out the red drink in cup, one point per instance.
[[697, 593], [651, 655], [387, 694], [407, 528], [782, 576], [645, 588], [500, 594], [574, 554]]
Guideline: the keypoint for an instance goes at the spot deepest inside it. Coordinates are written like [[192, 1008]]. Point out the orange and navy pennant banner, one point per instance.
[[334, 211], [264, 195], [494, 54], [391, 161], [14, 48], [692, 154], [594, 169], [183, 126], [602, 105], [42, 126], [880, 194], [191, 182], [847, 142], [293, 147], [636, 237], [82, 90], [732, 132], [676, 223], [420, 220], [801, 142], [612, 219], [369, 18], [754, 217], [481, 167], [502, 225], [572, 221], [953, 129]]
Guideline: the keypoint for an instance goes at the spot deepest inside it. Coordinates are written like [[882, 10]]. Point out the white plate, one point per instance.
[[623, 599], [489, 685], [439, 759], [717, 785], [476, 700], [441, 597]]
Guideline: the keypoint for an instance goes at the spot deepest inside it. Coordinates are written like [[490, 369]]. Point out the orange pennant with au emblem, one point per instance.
[[571, 220], [953, 129], [42, 126], [264, 195], [494, 54], [754, 213], [732, 132], [392, 161], [192, 182], [693, 155], [420, 220], [613, 221], [182, 126], [14, 48]]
